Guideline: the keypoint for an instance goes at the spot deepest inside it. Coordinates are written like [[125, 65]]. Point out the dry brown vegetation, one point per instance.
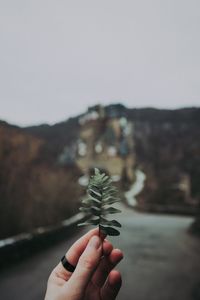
[[32, 193]]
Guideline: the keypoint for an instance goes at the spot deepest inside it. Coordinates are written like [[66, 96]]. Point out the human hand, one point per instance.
[[93, 278]]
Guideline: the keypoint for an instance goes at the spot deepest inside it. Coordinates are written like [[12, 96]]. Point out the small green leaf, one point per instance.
[[96, 212], [110, 210], [96, 171], [109, 193], [109, 230], [86, 210], [106, 178], [91, 202], [110, 223], [110, 200], [90, 222], [95, 194], [93, 198]]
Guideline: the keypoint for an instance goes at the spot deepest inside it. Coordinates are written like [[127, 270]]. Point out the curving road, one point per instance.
[[162, 262]]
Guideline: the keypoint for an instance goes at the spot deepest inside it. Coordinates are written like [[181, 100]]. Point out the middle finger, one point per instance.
[[106, 265]]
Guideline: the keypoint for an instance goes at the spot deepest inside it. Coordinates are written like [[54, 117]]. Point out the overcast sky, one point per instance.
[[57, 57]]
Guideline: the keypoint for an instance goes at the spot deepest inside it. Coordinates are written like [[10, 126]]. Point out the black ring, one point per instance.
[[67, 265]]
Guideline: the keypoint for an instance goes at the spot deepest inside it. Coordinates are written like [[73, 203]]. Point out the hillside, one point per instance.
[[33, 190], [166, 148], [40, 166]]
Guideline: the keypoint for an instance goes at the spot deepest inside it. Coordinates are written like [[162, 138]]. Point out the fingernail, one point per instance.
[[95, 242]]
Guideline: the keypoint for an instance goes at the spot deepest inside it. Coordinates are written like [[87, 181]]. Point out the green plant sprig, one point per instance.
[[101, 194]]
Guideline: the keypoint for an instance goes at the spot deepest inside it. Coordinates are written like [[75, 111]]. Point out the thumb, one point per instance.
[[86, 266]]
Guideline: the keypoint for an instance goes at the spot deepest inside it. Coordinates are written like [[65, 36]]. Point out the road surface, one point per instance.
[[162, 262]]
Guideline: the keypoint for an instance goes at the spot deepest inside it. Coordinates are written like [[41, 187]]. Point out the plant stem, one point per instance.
[[101, 191]]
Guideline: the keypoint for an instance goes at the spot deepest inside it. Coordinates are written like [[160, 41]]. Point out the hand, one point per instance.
[[93, 278]]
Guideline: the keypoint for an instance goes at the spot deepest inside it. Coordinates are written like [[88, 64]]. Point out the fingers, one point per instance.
[[107, 247], [112, 286], [105, 266], [79, 246], [86, 266], [74, 253]]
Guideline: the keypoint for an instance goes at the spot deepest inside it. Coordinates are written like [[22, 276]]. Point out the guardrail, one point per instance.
[[25, 244], [167, 209]]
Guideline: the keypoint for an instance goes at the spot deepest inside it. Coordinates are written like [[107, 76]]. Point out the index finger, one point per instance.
[[79, 246], [75, 252]]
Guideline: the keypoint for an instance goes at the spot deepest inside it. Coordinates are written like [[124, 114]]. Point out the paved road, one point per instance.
[[162, 262]]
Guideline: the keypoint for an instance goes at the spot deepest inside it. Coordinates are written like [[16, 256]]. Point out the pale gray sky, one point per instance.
[[59, 56]]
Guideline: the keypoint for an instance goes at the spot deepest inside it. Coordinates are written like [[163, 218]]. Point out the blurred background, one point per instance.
[[113, 85]]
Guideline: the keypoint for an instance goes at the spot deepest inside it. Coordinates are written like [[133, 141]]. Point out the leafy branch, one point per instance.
[[101, 194]]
